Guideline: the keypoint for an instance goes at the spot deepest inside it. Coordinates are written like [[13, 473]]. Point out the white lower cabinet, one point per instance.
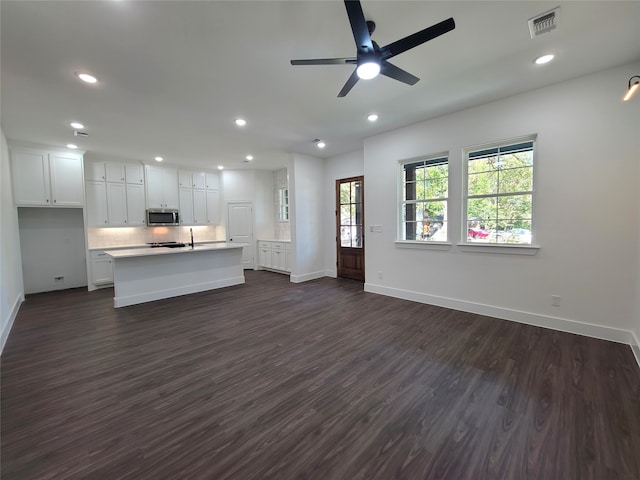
[[264, 254], [274, 255], [101, 268]]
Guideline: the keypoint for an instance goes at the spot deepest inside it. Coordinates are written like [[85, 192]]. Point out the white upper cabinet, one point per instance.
[[134, 173], [42, 178], [162, 187], [95, 171], [186, 206], [115, 194], [97, 215], [199, 180], [199, 207], [115, 172], [136, 211], [184, 179], [117, 203]]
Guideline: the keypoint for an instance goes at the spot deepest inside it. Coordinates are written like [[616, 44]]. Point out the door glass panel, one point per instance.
[[356, 240], [345, 193], [356, 192], [345, 214]]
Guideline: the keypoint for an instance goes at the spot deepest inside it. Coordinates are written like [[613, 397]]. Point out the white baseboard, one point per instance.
[[306, 277], [546, 321], [125, 301], [635, 347], [12, 316], [331, 273]]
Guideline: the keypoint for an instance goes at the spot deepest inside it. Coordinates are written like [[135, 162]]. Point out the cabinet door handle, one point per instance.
[[54, 201], [125, 221], [47, 200], [105, 221]]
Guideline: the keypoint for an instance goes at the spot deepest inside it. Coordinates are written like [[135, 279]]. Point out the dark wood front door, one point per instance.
[[350, 227]]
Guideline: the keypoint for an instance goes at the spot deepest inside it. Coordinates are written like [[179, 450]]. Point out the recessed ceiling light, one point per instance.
[[85, 77], [373, 117], [249, 157], [72, 146], [321, 144], [544, 59], [241, 122], [76, 125], [220, 167], [158, 159]]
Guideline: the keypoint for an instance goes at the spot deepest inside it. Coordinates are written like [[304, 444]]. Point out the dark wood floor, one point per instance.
[[272, 380]]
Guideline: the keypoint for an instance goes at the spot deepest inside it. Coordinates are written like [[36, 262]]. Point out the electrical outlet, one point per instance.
[[59, 279], [555, 300]]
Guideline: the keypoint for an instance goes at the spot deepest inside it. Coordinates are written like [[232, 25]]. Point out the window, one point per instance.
[[499, 193], [283, 204], [350, 203], [423, 207]]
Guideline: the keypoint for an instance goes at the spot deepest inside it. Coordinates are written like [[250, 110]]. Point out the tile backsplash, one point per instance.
[[126, 236]]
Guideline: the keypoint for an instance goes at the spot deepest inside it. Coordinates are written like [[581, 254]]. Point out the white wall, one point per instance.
[[306, 206], [52, 243], [11, 285], [335, 168], [586, 210], [254, 186]]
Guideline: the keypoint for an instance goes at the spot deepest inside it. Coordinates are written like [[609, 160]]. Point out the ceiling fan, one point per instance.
[[372, 59]]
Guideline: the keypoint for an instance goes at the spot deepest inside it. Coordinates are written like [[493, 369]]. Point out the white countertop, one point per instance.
[[148, 252], [146, 245]]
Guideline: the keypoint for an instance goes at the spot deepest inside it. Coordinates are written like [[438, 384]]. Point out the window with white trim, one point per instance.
[[423, 205], [283, 205], [499, 193]]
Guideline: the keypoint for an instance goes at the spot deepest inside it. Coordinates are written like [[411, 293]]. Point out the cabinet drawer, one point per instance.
[[279, 246], [265, 245]]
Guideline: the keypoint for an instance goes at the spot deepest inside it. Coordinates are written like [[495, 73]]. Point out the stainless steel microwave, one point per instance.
[[162, 216]]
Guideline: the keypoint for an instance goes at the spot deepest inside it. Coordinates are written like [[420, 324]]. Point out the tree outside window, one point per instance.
[[499, 200], [423, 208]]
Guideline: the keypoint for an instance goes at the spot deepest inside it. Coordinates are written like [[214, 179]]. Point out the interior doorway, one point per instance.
[[350, 227], [240, 229]]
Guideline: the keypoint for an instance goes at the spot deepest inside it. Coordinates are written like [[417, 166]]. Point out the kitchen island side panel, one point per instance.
[[140, 279]]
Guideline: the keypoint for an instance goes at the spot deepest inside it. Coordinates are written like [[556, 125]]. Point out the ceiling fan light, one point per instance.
[[368, 70]]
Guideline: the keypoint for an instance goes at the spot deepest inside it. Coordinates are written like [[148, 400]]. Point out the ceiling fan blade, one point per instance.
[[353, 79], [417, 38], [325, 61], [359, 26], [397, 73]]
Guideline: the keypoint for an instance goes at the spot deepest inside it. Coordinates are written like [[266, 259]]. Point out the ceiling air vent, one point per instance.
[[80, 134], [544, 22]]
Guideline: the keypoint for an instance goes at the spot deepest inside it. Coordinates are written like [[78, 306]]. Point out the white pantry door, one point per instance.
[[241, 229]]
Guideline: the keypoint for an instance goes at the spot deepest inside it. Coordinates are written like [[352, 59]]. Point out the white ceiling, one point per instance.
[[174, 75]]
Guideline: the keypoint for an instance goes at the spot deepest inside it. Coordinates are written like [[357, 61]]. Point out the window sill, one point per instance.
[[423, 245], [501, 249]]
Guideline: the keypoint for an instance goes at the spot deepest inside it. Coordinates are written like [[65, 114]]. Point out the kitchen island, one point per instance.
[[147, 274]]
